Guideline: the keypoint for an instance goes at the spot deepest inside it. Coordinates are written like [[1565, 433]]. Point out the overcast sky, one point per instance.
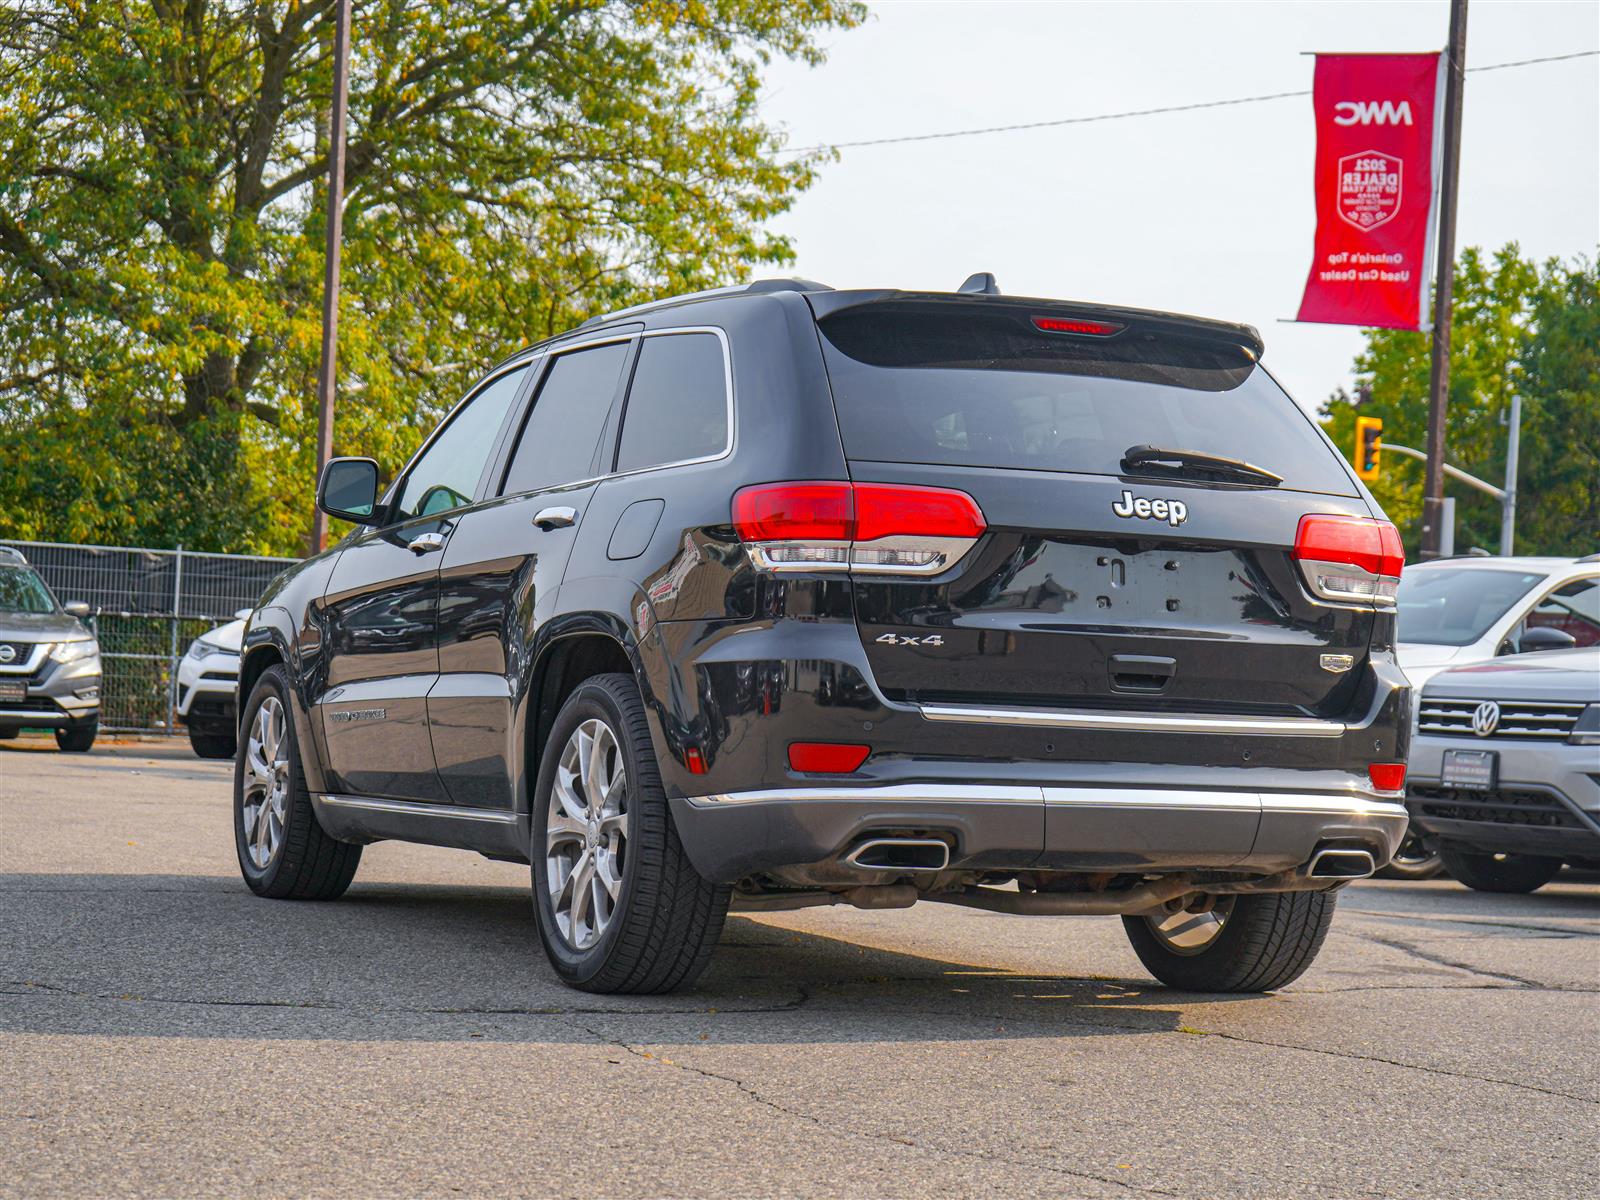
[[1207, 212]]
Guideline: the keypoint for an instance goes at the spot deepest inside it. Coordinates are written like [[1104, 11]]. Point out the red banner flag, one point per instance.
[[1377, 189]]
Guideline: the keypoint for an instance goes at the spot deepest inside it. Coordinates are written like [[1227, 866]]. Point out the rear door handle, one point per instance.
[[555, 518], [426, 543]]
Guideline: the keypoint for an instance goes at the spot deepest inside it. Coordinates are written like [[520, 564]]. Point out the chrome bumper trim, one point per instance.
[[412, 809], [1140, 722], [901, 793], [1153, 798], [1352, 804]]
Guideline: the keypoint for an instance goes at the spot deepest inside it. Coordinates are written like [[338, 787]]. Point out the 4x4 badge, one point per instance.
[[900, 639], [1173, 512]]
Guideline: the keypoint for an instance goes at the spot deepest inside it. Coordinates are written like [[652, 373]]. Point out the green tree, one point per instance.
[[1516, 327], [511, 169]]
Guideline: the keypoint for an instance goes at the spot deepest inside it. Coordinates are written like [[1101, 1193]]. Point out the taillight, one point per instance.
[[865, 527], [1349, 558]]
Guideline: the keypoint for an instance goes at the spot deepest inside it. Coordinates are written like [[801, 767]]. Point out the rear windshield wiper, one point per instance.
[[1197, 464]]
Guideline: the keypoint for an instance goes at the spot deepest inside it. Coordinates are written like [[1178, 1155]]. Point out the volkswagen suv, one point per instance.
[[780, 596]]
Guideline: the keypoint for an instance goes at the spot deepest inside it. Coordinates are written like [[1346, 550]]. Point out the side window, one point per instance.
[[1573, 608], [446, 476], [678, 404], [558, 441]]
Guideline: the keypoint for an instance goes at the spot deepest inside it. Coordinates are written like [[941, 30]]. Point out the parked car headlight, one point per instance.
[[1587, 731], [66, 652], [200, 648]]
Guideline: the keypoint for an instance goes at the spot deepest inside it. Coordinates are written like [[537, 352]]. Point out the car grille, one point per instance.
[[21, 652], [1518, 718], [32, 704], [1508, 807]]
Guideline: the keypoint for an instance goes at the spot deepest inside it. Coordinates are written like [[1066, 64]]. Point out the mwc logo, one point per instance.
[[1372, 112]]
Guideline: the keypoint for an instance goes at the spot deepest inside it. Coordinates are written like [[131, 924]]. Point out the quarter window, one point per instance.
[[678, 404], [559, 439], [446, 476]]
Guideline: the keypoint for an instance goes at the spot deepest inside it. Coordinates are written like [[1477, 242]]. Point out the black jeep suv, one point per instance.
[[778, 596]]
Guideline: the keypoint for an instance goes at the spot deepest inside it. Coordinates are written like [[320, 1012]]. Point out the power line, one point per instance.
[[1138, 112]]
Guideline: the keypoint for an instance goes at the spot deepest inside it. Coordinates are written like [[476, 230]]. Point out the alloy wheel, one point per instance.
[[586, 836], [266, 783], [1191, 932]]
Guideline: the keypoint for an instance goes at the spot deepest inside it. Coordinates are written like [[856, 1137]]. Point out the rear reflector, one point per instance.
[[827, 758], [868, 527], [1388, 777], [1347, 558], [1076, 325]]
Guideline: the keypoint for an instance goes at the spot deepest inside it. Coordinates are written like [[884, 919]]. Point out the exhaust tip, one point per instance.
[[1341, 864], [900, 854]]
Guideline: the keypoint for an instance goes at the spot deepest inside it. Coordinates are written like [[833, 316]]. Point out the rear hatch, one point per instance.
[[1113, 571]]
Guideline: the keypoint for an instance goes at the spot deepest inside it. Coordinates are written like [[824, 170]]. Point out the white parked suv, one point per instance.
[[1463, 610], [208, 685]]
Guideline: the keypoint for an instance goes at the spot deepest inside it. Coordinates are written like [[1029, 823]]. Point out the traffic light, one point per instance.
[[1369, 442]]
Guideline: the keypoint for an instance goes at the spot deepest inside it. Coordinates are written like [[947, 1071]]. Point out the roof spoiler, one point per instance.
[[1246, 337]]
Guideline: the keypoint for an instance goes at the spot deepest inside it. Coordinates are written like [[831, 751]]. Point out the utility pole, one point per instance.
[[1444, 286], [330, 281], [1508, 505]]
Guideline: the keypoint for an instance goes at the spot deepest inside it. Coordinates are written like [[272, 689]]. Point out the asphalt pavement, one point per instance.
[[164, 1032]]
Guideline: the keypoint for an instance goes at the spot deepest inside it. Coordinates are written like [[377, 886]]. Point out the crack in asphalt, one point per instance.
[[1489, 922], [28, 987], [1440, 960], [846, 1131], [1391, 1062]]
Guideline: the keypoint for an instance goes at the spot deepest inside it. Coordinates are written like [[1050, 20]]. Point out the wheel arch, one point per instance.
[[584, 646], [268, 642]]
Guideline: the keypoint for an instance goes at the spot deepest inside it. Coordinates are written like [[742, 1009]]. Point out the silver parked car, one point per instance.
[[49, 663], [1504, 776]]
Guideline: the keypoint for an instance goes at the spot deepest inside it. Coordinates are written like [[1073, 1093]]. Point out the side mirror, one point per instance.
[[1544, 637], [77, 608], [348, 489]]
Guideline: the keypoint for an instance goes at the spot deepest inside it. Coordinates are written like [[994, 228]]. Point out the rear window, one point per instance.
[[984, 390]]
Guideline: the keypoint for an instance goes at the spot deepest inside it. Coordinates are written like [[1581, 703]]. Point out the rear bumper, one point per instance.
[[1009, 827]]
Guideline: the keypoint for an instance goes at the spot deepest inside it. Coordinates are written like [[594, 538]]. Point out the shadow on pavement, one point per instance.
[[185, 956]]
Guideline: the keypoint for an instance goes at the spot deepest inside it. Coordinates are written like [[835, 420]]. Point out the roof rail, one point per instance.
[[753, 288]]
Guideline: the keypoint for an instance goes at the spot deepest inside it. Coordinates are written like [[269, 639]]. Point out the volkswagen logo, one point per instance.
[[8, 654], [1486, 718]]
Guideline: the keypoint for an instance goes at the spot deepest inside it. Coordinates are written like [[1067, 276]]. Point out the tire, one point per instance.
[[1265, 942], [1412, 861], [213, 745], [78, 737], [656, 931], [1505, 873], [303, 862]]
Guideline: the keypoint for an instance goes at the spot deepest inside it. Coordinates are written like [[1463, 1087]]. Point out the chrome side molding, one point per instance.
[[1132, 722], [449, 812]]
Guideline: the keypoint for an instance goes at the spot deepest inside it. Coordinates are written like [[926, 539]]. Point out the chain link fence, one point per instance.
[[149, 605]]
